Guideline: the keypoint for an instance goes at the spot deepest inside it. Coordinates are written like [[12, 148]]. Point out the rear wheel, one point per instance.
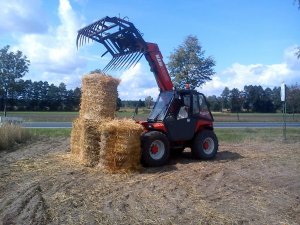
[[205, 145], [155, 149]]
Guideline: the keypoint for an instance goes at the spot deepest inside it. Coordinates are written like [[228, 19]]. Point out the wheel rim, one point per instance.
[[208, 145], [157, 149]]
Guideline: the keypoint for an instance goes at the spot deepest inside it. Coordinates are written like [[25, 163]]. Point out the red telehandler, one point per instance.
[[179, 118]]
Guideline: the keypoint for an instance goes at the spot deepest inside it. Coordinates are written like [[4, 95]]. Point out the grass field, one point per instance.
[[235, 135], [49, 132], [143, 113]]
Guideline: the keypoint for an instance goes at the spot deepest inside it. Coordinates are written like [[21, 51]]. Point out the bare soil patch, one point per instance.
[[248, 183]]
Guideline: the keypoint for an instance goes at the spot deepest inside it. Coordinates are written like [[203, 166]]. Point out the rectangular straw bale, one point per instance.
[[99, 95], [75, 137], [89, 142], [120, 148], [85, 140]]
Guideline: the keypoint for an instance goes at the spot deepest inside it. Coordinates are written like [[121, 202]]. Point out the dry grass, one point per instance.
[[11, 134]]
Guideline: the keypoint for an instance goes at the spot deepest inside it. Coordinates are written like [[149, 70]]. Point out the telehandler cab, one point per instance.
[[179, 118]]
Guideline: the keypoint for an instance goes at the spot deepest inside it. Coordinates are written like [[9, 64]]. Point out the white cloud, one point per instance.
[[137, 83], [22, 16], [53, 55], [238, 75]]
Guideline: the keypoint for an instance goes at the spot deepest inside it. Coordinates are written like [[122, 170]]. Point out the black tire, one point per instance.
[[205, 145], [155, 149]]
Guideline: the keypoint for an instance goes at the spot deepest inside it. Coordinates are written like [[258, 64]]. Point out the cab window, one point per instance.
[[196, 109], [204, 111]]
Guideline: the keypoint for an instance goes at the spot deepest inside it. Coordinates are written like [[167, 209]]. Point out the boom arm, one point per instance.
[[158, 67], [127, 46]]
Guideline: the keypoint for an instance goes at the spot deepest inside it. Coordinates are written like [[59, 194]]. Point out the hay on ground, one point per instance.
[[99, 95], [120, 145]]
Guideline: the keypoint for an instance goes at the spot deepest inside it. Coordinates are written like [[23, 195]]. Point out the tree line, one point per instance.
[[255, 98], [26, 95]]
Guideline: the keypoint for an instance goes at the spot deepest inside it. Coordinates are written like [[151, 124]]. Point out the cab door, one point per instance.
[[179, 123]]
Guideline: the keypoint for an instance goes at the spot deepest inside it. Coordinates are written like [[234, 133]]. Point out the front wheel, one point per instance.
[[155, 149], [205, 145]]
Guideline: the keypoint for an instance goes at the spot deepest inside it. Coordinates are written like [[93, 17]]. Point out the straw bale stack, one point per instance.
[[99, 139], [120, 145], [99, 94]]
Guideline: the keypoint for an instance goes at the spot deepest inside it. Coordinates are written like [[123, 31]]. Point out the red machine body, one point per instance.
[[158, 67]]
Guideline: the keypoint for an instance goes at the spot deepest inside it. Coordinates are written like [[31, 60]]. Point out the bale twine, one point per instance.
[[99, 95], [120, 146]]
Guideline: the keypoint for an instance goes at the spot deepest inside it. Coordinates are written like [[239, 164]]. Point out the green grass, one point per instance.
[[228, 135], [45, 116], [254, 117], [50, 132], [144, 112], [256, 134]]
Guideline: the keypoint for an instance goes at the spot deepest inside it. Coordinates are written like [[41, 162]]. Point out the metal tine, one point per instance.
[[114, 63], [109, 64], [132, 60], [115, 59], [139, 58], [135, 60], [106, 68], [123, 60], [82, 36], [80, 40], [119, 59], [77, 39], [131, 56], [120, 62]]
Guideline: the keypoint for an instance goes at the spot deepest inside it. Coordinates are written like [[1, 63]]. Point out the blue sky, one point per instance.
[[253, 42]]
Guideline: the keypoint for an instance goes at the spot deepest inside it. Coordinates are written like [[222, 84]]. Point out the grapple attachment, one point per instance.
[[120, 38]]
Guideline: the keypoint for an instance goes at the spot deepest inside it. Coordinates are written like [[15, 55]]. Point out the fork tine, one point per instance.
[[117, 62], [125, 57], [139, 58], [132, 60], [108, 65]]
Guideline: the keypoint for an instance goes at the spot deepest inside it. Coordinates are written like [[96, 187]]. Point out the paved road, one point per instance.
[[216, 124]]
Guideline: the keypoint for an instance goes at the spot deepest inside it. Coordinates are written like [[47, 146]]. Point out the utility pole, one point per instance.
[[283, 100]]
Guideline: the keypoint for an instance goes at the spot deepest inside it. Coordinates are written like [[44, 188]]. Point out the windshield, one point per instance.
[[159, 110]]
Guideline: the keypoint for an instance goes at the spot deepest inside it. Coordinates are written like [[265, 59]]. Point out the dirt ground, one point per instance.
[[248, 183]]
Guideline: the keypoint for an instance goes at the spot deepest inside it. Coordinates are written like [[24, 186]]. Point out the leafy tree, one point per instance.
[[188, 65], [215, 104], [225, 98], [275, 97], [119, 104], [148, 101], [13, 66], [96, 71], [236, 100], [293, 98]]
